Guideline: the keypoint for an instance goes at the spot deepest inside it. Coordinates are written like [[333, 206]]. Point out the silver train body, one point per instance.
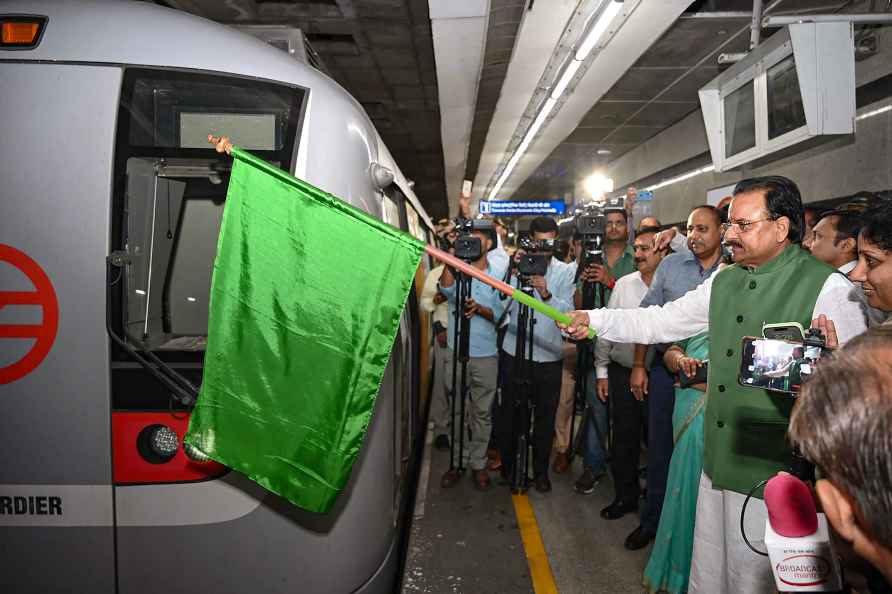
[[101, 132]]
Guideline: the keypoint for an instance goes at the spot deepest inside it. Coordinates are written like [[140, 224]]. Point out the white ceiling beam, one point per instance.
[[647, 22], [459, 35], [537, 36]]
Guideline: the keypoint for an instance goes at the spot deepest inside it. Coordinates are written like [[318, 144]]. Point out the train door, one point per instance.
[[56, 497]]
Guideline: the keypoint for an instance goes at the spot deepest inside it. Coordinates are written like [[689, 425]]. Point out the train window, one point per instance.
[[785, 109], [172, 186], [174, 109], [740, 120]]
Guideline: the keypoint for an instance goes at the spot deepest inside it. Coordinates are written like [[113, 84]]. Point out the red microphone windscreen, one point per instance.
[[791, 508]]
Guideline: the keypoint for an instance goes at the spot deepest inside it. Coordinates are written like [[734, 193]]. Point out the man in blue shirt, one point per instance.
[[555, 288], [677, 274], [483, 309]]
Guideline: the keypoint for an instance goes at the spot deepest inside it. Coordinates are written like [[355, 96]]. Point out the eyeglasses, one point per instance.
[[744, 226]]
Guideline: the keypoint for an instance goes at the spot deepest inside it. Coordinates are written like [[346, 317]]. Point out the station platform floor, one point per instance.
[[464, 541]]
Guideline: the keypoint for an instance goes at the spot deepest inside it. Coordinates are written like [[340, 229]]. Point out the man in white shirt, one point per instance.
[[613, 367], [434, 302], [773, 280], [834, 240]]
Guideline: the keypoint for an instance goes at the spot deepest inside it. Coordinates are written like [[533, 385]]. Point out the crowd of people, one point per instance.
[[670, 313]]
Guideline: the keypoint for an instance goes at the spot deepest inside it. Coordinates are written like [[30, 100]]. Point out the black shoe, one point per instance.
[[639, 539], [618, 509], [450, 478], [441, 442], [542, 484], [585, 484]]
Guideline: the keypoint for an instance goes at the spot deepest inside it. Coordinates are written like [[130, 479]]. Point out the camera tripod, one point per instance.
[[584, 350], [461, 343], [523, 380]]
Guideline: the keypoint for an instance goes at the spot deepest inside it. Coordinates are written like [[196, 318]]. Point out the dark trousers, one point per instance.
[[628, 416], [660, 403], [545, 390]]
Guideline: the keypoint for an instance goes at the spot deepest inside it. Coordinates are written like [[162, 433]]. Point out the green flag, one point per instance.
[[305, 304]]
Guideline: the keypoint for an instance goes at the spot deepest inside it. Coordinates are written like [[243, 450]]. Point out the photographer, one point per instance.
[[841, 423], [555, 287], [773, 280], [482, 309], [617, 261], [619, 258]]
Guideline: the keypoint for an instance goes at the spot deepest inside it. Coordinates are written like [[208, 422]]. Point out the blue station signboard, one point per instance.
[[519, 208]]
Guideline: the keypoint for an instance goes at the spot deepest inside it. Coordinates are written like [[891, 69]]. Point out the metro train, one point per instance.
[[104, 112]]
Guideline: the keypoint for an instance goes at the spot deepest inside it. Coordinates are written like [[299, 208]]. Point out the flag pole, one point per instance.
[[501, 287]]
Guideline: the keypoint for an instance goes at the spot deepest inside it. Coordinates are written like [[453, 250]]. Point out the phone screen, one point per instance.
[[776, 365]]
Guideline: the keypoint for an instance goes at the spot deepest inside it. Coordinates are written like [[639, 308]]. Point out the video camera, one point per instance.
[[591, 225], [536, 254], [468, 246]]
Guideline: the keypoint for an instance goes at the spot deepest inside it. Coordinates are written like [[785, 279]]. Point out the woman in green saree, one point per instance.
[[670, 560]]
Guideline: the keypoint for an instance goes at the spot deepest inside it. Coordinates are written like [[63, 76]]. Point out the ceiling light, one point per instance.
[[872, 113], [598, 184], [569, 72], [609, 10], [604, 152], [594, 36], [680, 178], [523, 146]]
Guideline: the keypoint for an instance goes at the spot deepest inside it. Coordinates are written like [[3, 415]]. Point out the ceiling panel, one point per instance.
[[588, 135], [643, 84], [633, 134], [610, 113], [687, 88], [383, 34], [663, 114], [690, 40]]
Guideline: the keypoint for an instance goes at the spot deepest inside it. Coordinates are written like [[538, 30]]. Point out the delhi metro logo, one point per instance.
[[43, 334]]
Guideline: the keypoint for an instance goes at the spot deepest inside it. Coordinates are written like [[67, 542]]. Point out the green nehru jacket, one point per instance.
[[746, 427]]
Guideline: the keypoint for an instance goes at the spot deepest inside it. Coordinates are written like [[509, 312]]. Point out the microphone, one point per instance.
[[798, 540]]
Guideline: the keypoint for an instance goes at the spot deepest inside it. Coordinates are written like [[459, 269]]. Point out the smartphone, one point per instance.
[[686, 381], [791, 331], [777, 365]]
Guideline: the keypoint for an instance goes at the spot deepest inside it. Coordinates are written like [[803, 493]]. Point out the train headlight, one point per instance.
[[194, 453], [158, 444]]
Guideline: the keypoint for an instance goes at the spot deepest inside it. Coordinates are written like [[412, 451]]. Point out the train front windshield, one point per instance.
[[171, 185]]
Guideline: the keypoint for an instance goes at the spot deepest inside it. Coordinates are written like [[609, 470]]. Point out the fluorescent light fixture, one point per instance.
[[139, 292], [681, 178], [875, 112], [608, 13], [594, 36], [569, 72], [523, 146], [191, 299]]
